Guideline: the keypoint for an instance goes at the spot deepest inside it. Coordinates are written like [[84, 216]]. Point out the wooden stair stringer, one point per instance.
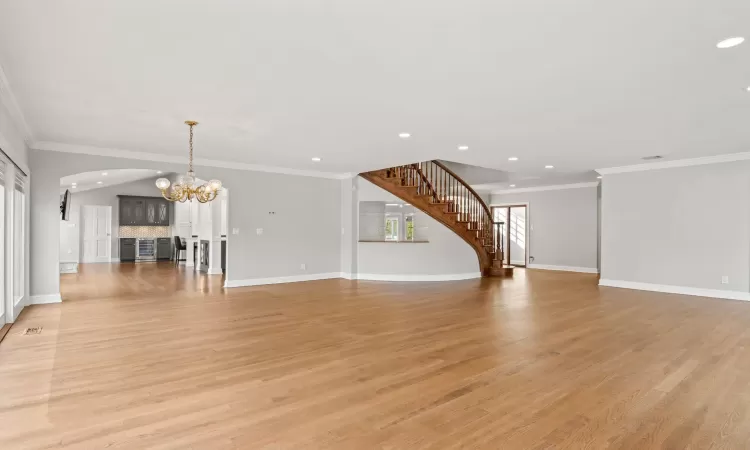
[[424, 204]]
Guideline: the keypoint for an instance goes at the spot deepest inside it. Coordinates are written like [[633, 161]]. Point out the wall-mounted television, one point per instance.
[[65, 205]]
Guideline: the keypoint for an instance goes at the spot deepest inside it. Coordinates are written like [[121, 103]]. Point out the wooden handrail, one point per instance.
[[460, 180]]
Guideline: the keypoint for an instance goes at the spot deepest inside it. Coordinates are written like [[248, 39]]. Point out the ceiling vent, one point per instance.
[[651, 158]]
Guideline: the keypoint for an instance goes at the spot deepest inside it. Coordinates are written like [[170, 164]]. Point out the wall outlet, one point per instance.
[[259, 231], [235, 231], [303, 266], [724, 279]]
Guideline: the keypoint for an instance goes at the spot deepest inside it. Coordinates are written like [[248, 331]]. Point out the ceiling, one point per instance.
[[578, 85], [87, 181]]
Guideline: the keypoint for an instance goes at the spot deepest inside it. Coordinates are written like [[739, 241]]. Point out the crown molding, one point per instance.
[[8, 99], [557, 187], [718, 159], [144, 156]]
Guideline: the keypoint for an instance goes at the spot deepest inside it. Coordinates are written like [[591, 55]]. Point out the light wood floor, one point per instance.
[[145, 358]]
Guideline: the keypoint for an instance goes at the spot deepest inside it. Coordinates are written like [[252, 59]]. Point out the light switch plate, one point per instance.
[[259, 231], [235, 231]]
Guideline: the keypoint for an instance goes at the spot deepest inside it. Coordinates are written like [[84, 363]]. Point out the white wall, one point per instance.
[[306, 226], [445, 256], [563, 226], [106, 196], [684, 227]]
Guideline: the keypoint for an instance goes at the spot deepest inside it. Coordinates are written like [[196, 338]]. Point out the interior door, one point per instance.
[[97, 233]]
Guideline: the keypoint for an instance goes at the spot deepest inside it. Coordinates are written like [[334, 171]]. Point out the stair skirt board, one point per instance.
[[563, 268]]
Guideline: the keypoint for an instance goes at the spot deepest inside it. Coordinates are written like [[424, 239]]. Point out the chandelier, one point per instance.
[[184, 189]]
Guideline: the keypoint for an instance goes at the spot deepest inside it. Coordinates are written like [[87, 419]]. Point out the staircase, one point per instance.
[[433, 188]]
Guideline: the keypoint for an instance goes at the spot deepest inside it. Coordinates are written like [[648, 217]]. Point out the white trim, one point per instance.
[[401, 277], [9, 100], [279, 280], [563, 268], [527, 250], [145, 156], [684, 290], [2, 319], [732, 157], [45, 299], [214, 271], [557, 187]]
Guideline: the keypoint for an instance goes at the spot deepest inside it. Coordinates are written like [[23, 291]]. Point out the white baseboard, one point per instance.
[[279, 280], [214, 271], [401, 277], [45, 299], [564, 268], [684, 290]]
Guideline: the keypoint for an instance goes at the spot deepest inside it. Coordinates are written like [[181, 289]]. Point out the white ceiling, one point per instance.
[[579, 84], [87, 181]]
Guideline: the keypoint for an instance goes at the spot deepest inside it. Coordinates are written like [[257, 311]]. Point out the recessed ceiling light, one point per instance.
[[104, 174], [404, 135], [74, 186], [599, 177], [158, 171], [99, 182], [463, 148], [512, 185], [513, 158], [316, 159], [731, 42], [549, 167]]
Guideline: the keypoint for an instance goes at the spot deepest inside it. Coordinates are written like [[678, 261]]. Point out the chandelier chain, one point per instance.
[[190, 164]]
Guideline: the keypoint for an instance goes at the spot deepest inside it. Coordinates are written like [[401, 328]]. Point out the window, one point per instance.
[[410, 228], [391, 228]]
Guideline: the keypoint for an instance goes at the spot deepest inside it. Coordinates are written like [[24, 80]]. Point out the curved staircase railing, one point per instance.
[[458, 206]]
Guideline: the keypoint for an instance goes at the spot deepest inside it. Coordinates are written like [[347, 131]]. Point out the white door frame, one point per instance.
[[81, 250], [528, 224]]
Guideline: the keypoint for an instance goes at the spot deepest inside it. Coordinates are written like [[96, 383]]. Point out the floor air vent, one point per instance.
[[35, 330]]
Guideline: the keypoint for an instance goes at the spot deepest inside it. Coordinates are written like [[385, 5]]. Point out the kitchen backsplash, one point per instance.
[[145, 232]]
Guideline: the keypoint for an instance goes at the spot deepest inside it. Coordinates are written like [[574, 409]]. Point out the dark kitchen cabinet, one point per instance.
[[163, 248], [127, 249], [127, 215], [140, 211]]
